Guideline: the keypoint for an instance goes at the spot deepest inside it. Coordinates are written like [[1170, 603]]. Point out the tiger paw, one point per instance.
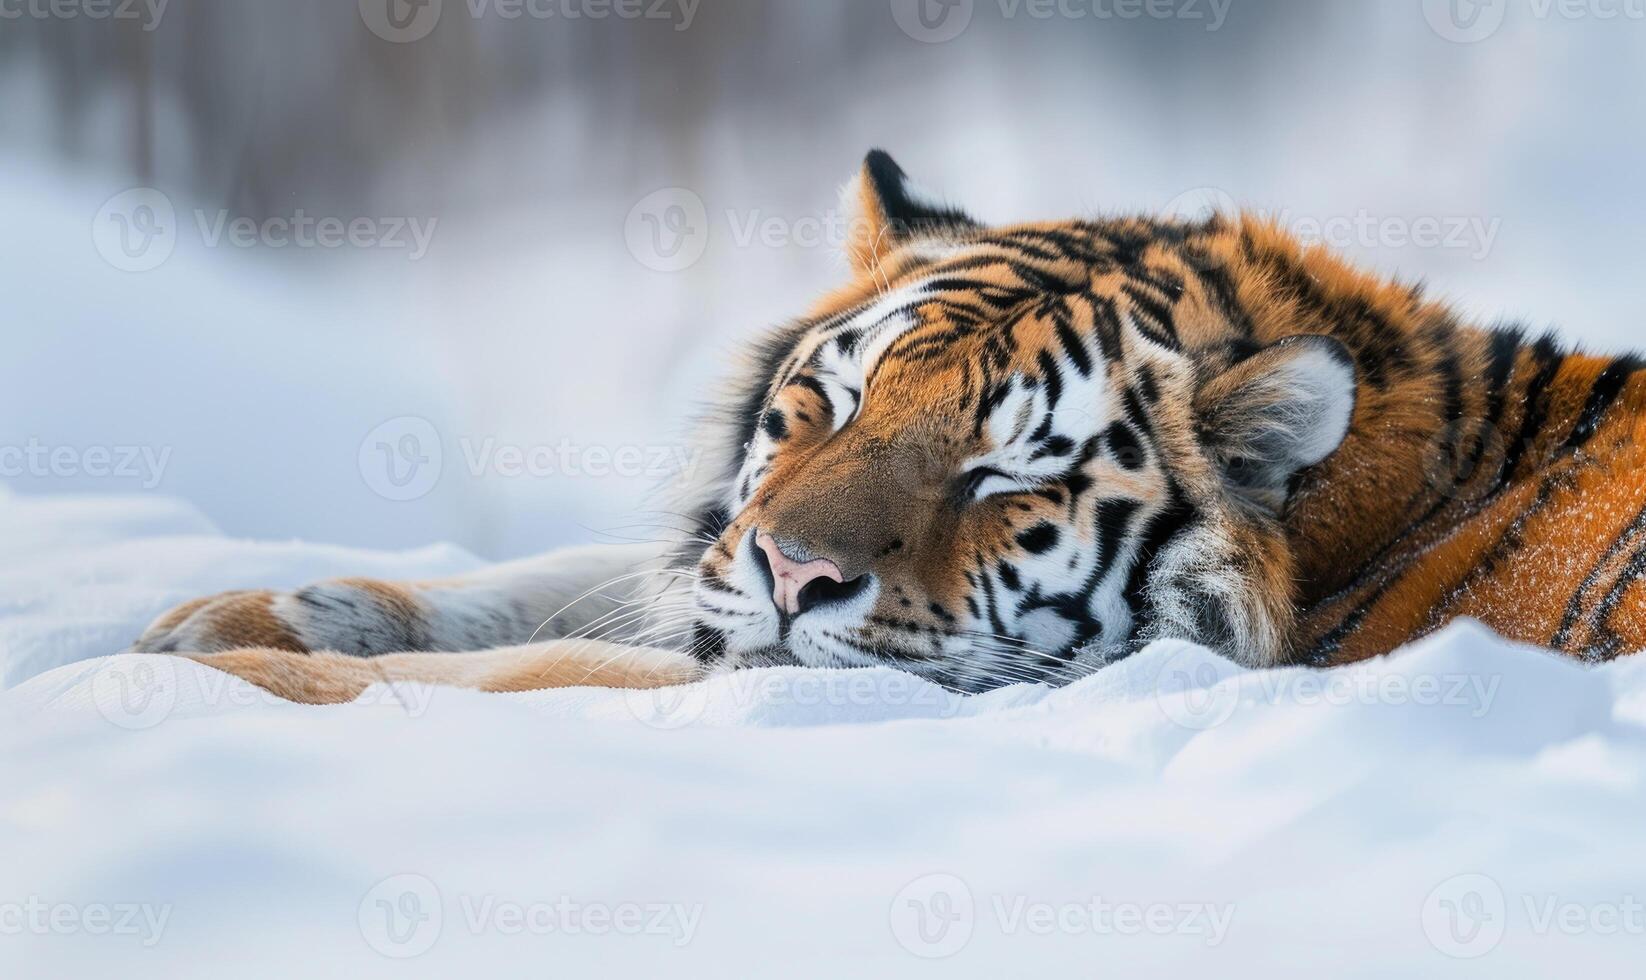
[[230, 621], [354, 616]]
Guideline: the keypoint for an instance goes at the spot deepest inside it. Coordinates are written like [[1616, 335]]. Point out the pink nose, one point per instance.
[[789, 577]]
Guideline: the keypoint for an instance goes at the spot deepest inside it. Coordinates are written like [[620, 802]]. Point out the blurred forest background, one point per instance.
[[1491, 147]]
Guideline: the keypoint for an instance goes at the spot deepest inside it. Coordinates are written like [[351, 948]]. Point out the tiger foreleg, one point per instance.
[[604, 592], [331, 678]]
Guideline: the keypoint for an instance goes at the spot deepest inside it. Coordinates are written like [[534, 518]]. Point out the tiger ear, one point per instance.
[[1276, 413], [884, 211]]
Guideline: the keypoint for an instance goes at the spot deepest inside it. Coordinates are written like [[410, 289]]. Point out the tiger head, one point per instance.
[[1016, 454]]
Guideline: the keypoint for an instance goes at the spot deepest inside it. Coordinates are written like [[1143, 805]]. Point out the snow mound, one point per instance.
[[1466, 807]]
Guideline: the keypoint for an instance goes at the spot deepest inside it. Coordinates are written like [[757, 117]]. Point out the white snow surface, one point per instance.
[[1463, 808]]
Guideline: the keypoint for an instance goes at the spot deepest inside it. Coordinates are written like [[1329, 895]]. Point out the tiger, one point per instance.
[[1017, 454]]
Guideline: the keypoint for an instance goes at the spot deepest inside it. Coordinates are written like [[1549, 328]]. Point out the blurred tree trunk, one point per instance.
[[138, 46]]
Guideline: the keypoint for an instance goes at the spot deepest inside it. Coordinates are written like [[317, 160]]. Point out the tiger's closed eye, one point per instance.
[[986, 481]]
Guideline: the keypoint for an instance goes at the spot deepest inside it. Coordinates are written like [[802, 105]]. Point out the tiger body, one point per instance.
[[1018, 454]]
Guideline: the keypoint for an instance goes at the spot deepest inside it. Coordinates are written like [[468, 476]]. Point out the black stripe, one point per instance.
[[769, 355], [1217, 282], [1020, 242], [708, 643], [1632, 574], [1106, 327], [1160, 531], [1055, 245], [956, 284], [714, 583], [1053, 377], [1547, 356], [1505, 347], [777, 425], [1574, 610], [1136, 415], [991, 603], [1601, 398], [1147, 384], [922, 344], [1113, 520], [1072, 343], [812, 385], [1152, 318]]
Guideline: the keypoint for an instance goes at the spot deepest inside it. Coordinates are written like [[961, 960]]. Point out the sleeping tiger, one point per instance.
[[1004, 455]]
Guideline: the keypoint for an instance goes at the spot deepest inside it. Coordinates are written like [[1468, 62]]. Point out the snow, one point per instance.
[[1466, 807]]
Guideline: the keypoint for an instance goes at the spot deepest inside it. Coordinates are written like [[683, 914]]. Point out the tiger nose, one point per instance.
[[798, 585]]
